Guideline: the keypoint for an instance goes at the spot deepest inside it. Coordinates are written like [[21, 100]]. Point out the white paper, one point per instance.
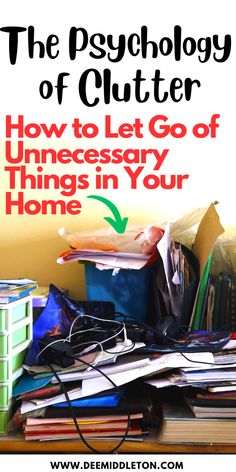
[[161, 364], [108, 370], [99, 384]]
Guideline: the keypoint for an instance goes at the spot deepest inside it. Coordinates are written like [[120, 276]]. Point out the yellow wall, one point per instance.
[[37, 260]]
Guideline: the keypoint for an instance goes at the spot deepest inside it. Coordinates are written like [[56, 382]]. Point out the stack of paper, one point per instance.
[[180, 426], [108, 258], [99, 427], [106, 414]]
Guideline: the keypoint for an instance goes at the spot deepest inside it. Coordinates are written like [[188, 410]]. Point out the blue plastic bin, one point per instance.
[[131, 291]]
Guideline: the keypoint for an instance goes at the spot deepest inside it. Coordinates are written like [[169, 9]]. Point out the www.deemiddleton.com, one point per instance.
[[117, 465]]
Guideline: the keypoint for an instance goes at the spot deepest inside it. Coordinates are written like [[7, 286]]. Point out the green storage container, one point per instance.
[[5, 389], [4, 344], [15, 336], [4, 414], [11, 367], [5, 369], [18, 336], [17, 310]]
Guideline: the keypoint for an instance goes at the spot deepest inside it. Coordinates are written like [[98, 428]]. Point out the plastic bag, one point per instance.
[[105, 239], [57, 317], [224, 253], [184, 229]]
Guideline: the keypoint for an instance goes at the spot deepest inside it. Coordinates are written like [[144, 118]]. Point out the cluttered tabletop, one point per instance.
[[88, 376]]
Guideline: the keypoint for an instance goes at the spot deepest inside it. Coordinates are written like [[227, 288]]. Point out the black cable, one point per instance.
[[96, 368], [207, 363], [109, 380], [150, 328], [118, 390], [72, 411]]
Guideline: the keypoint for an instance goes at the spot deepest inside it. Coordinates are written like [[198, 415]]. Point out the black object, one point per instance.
[[56, 351], [135, 332], [211, 402], [188, 297], [167, 330], [224, 300], [232, 303]]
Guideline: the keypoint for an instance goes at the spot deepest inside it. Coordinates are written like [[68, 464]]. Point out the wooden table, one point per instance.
[[16, 444]]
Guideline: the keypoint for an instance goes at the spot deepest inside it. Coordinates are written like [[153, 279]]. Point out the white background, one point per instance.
[[208, 161], [191, 463]]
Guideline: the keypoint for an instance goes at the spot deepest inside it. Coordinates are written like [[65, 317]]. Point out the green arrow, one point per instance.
[[118, 223]]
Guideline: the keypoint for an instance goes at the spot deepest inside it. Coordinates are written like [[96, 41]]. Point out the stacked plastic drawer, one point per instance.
[[15, 336]]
